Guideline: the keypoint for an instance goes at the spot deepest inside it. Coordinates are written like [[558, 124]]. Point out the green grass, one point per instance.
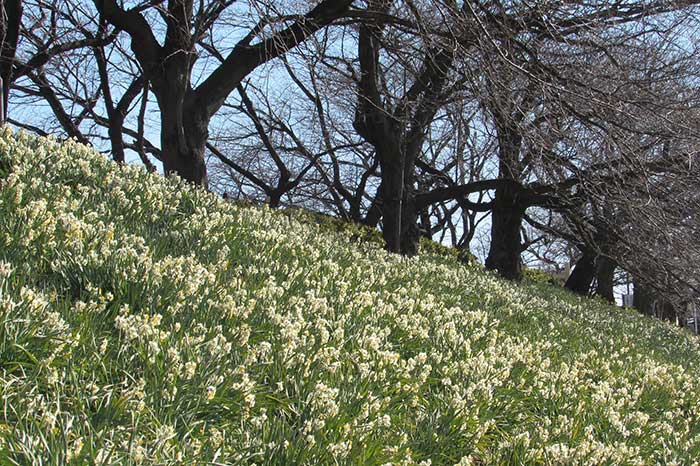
[[142, 321]]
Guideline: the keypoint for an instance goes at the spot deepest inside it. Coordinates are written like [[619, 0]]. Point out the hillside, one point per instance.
[[147, 322]]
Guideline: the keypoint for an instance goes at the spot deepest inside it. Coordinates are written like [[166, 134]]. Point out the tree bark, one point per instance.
[[508, 208], [605, 278], [11, 12], [506, 242], [642, 299], [583, 274], [184, 134], [400, 218], [667, 311], [374, 213], [425, 224]]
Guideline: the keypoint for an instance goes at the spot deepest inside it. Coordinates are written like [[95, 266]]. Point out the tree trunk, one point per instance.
[[668, 312], [682, 319], [184, 134], [507, 213], [184, 119], [116, 113], [642, 299], [605, 278], [583, 274], [410, 233], [374, 213], [425, 225], [400, 218], [11, 11], [506, 244], [116, 124], [275, 198]]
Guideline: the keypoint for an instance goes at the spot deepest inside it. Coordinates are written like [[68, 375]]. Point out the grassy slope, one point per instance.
[[142, 321]]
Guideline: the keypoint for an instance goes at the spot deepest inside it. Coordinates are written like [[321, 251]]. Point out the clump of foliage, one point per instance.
[[143, 321], [540, 276], [329, 224], [364, 233]]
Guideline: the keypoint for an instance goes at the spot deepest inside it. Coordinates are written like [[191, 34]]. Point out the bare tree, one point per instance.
[[420, 117], [290, 143], [10, 20], [548, 117], [69, 63], [515, 43], [187, 110]]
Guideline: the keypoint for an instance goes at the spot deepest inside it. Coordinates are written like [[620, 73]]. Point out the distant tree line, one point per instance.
[[568, 131]]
